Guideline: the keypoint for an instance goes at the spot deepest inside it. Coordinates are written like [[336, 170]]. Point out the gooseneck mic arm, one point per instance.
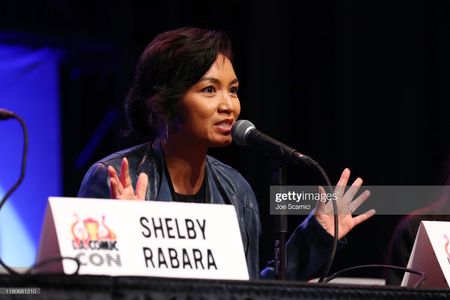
[[244, 133], [6, 115]]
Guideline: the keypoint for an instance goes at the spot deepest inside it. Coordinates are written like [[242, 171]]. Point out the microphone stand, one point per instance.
[[281, 225]]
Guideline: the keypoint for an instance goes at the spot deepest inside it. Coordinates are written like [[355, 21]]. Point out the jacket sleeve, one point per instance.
[[95, 183], [250, 226], [307, 251]]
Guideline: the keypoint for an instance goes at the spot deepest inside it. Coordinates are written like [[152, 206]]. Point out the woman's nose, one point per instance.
[[226, 104]]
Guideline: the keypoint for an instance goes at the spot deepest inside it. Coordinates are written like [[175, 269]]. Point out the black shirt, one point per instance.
[[199, 197]]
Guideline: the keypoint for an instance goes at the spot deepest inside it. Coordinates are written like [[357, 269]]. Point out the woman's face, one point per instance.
[[211, 106]]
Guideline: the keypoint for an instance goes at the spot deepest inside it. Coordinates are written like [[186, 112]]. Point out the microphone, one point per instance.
[[244, 133], [6, 114]]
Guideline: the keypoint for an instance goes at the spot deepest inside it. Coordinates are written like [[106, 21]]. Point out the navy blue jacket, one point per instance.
[[307, 249]]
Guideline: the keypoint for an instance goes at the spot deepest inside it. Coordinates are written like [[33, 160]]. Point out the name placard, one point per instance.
[[431, 255], [144, 238]]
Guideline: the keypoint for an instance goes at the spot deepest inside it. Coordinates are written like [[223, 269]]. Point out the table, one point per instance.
[[55, 286]]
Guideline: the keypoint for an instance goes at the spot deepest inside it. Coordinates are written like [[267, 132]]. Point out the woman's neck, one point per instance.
[[186, 164]]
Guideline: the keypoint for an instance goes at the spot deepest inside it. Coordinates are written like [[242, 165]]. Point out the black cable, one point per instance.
[[52, 260], [422, 274], [6, 115], [327, 268]]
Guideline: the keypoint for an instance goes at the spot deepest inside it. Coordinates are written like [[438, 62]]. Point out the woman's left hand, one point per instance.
[[121, 187], [346, 206]]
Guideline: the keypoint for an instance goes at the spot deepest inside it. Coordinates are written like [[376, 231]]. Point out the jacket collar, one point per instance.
[[158, 187]]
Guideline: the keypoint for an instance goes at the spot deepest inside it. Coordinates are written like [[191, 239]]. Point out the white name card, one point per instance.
[[144, 238], [430, 254]]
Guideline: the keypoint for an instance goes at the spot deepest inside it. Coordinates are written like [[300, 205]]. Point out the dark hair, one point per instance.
[[168, 67]]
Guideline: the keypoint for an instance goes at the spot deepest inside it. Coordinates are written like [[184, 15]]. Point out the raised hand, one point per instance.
[[346, 206], [121, 188]]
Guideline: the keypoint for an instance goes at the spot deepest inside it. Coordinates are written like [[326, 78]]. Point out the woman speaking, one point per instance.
[[184, 100]]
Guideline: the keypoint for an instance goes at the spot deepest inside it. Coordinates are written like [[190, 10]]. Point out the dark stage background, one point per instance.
[[358, 84]]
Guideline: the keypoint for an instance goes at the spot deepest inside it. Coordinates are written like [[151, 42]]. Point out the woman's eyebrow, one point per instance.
[[217, 81]]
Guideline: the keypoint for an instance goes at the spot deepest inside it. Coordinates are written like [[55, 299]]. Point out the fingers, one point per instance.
[[363, 217], [342, 183], [124, 174], [323, 206], [358, 201], [141, 186], [346, 204], [321, 191], [121, 186], [351, 192], [115, 185]]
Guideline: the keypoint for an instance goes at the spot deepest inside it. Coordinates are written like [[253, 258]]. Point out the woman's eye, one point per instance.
[[209, 89], [234, 89]]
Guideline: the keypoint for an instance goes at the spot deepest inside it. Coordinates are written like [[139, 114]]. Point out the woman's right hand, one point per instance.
[[121, 188]]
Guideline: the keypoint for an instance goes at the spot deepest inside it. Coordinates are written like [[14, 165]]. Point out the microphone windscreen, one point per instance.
[[240, 131], [6, 114]]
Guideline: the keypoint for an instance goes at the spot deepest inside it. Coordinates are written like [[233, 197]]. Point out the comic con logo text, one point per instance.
[[95, 241]]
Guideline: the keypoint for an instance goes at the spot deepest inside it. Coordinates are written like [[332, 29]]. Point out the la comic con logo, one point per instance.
[[446, 248], [95, 241]]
